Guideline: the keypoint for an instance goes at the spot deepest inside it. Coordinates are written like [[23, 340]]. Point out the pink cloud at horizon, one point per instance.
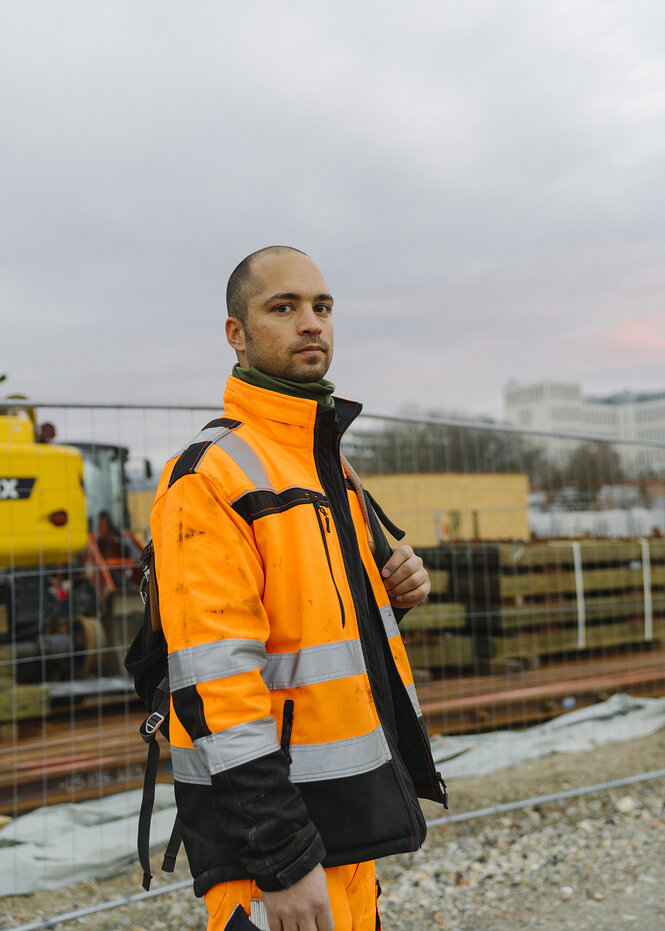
[[630, 340]]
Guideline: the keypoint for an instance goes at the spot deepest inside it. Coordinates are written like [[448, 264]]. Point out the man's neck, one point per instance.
[[319, 391]]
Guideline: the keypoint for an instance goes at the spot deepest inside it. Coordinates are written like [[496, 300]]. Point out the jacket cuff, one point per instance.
[[305, 863]]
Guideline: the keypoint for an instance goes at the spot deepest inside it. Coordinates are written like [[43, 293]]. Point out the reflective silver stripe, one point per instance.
[[239, 744], [314, 664], [310, 762], [217, 752], [389, 622], [189, 767], [207, 435], [339, 758], [413, 695], [246, 459], [215, 660], [392, 630]]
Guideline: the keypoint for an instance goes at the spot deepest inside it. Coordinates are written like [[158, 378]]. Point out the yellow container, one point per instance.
[[42, 501], [439, 507]]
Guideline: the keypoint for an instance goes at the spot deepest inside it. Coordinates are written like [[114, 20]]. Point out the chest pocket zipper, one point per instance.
[[322, 516]]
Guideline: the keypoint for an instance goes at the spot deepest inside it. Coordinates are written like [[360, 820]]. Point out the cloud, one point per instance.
[[481, 183], [636, 339]]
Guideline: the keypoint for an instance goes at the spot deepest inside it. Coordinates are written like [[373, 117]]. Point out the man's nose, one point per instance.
[[309, 321]]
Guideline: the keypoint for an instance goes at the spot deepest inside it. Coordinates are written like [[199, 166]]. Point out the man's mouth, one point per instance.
[[312, 350]]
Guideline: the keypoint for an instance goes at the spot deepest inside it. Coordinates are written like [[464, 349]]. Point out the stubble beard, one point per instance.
[[290, 367]]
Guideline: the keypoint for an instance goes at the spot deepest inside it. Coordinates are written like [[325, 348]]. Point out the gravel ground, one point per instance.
[[595, 862]]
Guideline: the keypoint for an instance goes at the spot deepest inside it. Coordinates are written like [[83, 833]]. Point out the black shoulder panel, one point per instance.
[[189, 460], [223, 422]]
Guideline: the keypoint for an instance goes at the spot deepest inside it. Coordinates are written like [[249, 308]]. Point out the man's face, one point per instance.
[[289, 329]]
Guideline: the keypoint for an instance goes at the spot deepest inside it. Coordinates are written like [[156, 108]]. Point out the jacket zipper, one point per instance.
[[387, 691], [337, 498], [321, 515]]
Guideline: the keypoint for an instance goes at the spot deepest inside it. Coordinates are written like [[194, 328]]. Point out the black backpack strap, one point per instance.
[[145, 814], [161, 705], [168, 863], [374, 516], [392, 529], [372, 513], [148, 731]]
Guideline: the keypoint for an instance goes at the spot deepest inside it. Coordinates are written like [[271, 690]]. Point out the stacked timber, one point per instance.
[[18, 702], [73, 757], [528, 602]]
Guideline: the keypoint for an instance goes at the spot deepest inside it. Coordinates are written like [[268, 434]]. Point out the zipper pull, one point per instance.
[[320, 509]]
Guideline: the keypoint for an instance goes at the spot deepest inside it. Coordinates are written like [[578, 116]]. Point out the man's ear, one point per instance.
[[235, 334]]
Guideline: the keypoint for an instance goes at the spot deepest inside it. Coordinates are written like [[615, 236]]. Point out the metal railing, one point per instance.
[[545, 552]]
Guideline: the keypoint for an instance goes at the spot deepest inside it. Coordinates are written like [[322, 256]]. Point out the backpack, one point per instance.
[[147, 659], [147, 662]]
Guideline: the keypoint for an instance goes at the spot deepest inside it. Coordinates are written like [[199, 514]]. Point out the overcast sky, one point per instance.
[[481, 183]]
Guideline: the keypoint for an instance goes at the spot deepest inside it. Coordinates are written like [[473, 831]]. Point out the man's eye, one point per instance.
[[323, 309], [282, 308]]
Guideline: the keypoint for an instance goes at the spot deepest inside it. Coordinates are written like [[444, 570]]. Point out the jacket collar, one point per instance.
[[289, 420]]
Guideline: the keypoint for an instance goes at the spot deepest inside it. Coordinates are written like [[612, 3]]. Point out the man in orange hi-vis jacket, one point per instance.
[[298, 746]]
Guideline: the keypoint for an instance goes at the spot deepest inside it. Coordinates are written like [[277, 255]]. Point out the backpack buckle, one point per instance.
[[142, 592], [151, 725]]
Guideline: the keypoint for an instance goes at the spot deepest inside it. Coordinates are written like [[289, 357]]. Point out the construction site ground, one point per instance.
[[594, 862]]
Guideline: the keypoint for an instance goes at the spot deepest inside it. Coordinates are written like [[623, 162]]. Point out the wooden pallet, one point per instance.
[[436, 616], [556, 611], [528, 601], [594, 552], [531, 585], [533, 645], [22, 702], [448, 651]]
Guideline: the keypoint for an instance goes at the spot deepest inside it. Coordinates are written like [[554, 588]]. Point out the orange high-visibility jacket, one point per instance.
[[296, 735]]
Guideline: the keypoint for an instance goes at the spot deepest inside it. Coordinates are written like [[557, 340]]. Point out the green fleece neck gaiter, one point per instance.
[[319, 391]]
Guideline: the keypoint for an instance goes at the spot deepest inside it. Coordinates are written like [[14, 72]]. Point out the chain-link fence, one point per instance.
[[546, 554]]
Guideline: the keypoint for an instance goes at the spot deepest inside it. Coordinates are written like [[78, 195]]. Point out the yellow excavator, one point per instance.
[[69, 567]]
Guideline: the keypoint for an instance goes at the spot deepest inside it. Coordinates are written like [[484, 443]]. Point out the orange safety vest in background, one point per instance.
[[296, 735]]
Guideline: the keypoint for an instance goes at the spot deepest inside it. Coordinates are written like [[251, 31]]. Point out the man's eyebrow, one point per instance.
[[292, 296], [286, 296]]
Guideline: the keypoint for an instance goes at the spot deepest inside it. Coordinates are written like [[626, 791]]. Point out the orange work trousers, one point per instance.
[[352, 890]]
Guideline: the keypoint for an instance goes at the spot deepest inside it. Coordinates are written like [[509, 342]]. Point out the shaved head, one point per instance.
[[243, 283], [280, 315]]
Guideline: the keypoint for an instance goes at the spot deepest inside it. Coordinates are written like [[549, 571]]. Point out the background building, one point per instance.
[[561, 407]]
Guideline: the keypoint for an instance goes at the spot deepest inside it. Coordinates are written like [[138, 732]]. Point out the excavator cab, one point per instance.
[[69, 574], [110, 562]]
